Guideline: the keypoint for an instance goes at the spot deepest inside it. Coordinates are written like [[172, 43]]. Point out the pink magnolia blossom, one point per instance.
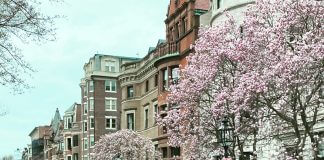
[[124, 144], [268, 76]]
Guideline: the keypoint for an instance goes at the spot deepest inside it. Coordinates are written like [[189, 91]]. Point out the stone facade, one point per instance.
[[72, 132], [145, 83]]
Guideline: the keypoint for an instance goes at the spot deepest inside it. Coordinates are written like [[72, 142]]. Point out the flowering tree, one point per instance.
[[124, 144], [266, 74]]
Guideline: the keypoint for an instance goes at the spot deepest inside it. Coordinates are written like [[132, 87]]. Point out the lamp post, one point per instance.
[[225, 135]]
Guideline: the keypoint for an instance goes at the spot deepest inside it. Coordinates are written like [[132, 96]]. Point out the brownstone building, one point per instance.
[[37, 141], [100, 99], [182, 25], [54, 142], [145, 83], [72, 132]]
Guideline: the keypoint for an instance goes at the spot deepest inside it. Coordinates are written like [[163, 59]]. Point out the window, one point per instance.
[[155, 112], [75, 140], [177, 30], [69, 144], [92, 123], [111, 122], [85, 108], [110, 66], [219, 3], [110, 104], [130, 121], [85, 126], [91, 88], [156, 81], [75, 156], [85, 143], [92, 141], [184, 25], [147, 86], [175, 75], [85, 92], [171, 34], [164, 152], [165, 79], [91, 101], [130, 91], [68, 122], [146, 118], [175, 151], [69, 158], [110, 85]]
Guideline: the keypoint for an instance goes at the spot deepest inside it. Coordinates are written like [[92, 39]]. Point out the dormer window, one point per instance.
[[110, 66]]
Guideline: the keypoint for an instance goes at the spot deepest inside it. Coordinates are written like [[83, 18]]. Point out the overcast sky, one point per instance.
[[123, 28]]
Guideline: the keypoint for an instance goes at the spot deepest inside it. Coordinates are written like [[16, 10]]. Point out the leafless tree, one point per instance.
[[22, 20], [10, 157]]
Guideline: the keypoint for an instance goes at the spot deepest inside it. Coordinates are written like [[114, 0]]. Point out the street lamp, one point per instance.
[[225, 135]]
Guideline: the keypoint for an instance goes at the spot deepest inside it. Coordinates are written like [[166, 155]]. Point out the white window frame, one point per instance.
[[91, 107], [92, 136], [110, 64], [110, 119], [84, 122], [85, 148], [85, 108], [110, 83], [66, 122], [154, 112], [85, 91], [66, 141], [91, 117], [144, 116], [110, 100], [128, 112], [89, 89]]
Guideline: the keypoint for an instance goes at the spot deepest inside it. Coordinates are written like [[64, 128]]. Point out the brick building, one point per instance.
[[100, 99], [37, 142]]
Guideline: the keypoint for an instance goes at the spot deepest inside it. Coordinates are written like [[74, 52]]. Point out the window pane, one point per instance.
[[92, 142], [107, 104], [113, 85], [85, 108], [130, 121], [113, 105], [91, 86], [130, 91], [91, 104], [113, 123], [92, 123], [107, 85]]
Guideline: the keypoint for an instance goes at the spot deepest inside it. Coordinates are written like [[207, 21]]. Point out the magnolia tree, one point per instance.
[[265, 74], [124, 144]]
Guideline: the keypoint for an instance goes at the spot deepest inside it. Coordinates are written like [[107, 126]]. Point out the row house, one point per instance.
[[145, 83], [53, 147], [46, 141], [72, 132]]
